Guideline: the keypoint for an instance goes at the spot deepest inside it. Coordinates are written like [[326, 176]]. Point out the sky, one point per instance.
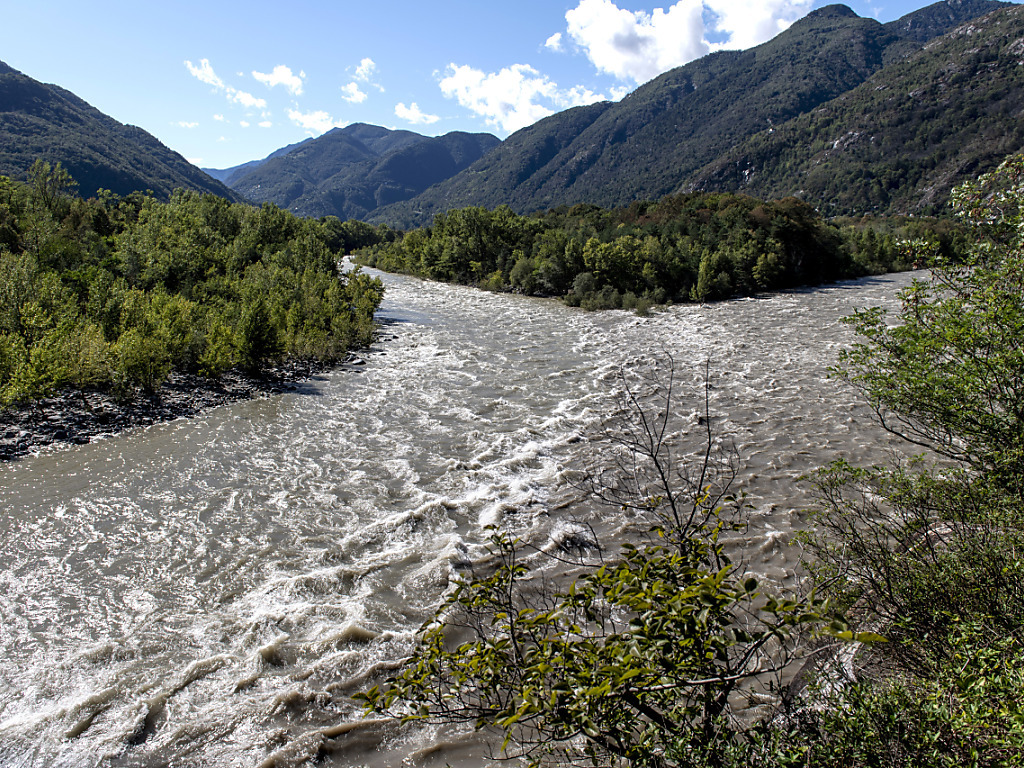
[[224, 82]]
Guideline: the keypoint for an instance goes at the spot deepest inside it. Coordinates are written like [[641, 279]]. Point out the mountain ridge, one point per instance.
[[900, 141], [650, 143], [349, 172], [39, 120]]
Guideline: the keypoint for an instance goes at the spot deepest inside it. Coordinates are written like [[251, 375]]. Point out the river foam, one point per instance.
[[211, 591]]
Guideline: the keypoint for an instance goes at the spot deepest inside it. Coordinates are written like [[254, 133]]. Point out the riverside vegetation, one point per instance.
[[694, 247], [113, 293], [648, 658]]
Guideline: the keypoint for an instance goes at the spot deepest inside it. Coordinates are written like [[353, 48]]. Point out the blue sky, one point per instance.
[[223, 82]]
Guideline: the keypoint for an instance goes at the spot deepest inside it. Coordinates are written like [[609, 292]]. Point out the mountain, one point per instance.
[[230, 175], [350, 172], [939, 18], [658, 138], [48, 122], [900, 141]]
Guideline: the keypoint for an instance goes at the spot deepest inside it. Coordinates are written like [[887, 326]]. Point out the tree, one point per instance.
[[949, 375], [51, 185], [256, 335], [928, 548], [641, 659]]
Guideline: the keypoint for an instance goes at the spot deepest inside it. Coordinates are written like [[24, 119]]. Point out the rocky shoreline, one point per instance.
[[74, 417]]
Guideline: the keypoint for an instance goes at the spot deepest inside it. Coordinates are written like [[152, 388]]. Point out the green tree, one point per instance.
[[928, 548], [948, 375], [256, 337]]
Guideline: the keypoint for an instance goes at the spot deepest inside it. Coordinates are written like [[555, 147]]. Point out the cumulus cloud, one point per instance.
[[746, 23], [184, 124], [413, 114], [507, 99], [352, 94], [315, 123], [554, 42], [637, 46], [513, 98], [266, 124], [282, 75], [220, 118], [205, 74], [246, 99]]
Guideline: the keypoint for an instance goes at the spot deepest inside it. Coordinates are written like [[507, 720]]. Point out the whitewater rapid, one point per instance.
[[211, 591]]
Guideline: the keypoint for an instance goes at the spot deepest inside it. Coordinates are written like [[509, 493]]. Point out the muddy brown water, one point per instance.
[[210, 591]]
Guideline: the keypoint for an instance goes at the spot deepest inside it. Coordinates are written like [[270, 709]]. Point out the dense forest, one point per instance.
[[112, 293], [695, 247]]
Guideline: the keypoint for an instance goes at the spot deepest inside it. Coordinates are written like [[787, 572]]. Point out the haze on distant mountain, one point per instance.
[[351, 172], [48, 122]]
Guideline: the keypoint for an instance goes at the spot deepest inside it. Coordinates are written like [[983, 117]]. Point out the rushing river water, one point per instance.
[[209, 592]]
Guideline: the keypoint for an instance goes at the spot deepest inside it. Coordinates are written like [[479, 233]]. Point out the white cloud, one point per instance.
[[638, 45], [513, 98], [246, 99], [746, 23], [352, 94], [577, 97], [220, 118], [266, 124], [205, 74], [185, 124], [315, 123], [366, 70], [196, 161], [413, 114], [506, 99], [282, 75], [554, 42], [244, 123]]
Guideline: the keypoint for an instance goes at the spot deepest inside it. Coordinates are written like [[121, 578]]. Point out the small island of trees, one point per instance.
[[694, 247]]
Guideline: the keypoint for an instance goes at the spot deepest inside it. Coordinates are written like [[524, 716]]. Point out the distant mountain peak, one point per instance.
[[350, 172], [834, 11]]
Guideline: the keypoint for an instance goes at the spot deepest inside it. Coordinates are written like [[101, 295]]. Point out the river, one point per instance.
[[210, 591]]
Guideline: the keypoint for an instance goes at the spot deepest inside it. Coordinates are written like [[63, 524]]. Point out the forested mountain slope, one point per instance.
[[48, 122], [349, 172], [899, 142], [653, 141]]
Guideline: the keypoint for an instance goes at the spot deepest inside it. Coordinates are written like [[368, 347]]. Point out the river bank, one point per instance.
[[75, 417]]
